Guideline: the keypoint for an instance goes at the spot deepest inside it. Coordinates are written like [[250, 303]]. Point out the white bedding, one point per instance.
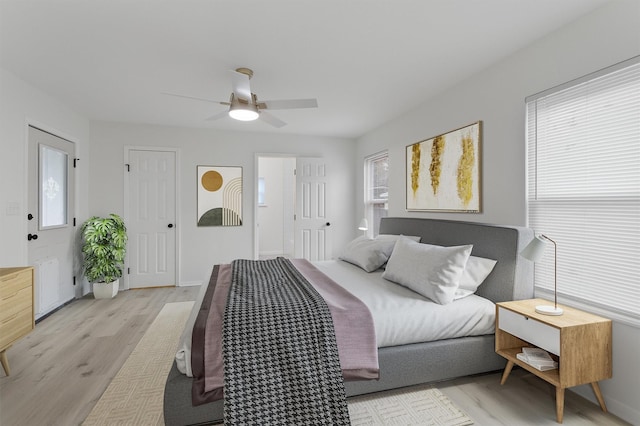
[[400, 315]]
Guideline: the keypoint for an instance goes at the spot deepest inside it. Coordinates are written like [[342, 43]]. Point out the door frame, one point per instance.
[[126, 212], [77, 260], [254, 200]]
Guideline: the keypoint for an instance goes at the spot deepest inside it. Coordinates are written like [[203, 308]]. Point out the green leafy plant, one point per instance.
[[103, 248]]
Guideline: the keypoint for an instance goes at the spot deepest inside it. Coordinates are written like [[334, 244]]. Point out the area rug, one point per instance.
[[135, 395], [418, 405]]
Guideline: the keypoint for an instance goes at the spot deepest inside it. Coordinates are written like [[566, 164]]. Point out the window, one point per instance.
[[53, 187], [583, 190], [376, 190], [261, 199]]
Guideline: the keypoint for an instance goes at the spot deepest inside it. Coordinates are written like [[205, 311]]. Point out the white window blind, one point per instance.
[[583, 190]]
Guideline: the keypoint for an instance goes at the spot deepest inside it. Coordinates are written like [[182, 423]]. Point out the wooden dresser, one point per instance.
[[16, 308]]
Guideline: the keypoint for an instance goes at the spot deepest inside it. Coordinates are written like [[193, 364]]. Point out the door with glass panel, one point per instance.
[[50, 219]]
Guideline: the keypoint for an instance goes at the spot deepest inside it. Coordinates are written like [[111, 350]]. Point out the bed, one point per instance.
[[407, 363]]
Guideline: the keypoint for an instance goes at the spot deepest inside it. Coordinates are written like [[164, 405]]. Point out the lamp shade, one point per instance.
[[364, 225], [535, 249]]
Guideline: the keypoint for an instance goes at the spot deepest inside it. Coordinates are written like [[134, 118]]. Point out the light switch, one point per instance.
[[13, 208]]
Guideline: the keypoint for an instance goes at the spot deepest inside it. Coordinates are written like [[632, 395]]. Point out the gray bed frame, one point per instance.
[[407, 365]]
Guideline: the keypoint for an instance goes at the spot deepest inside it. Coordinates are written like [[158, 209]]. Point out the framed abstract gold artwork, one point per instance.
[[443, 173], [219, 196]]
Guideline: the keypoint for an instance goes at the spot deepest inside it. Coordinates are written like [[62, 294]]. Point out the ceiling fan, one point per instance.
[[244, 105]]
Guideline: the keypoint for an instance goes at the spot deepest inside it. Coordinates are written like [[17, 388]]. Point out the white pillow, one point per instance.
[[368, 253], [397, 237], [432, 271], [476, 271]]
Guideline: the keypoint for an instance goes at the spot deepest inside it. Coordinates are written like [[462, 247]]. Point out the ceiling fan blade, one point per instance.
[[271, 119], [218, 116], [291, 104], [241, 86], [196, 98]]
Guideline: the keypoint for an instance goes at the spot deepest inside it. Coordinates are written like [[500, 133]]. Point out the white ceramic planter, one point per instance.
[[106, 290]]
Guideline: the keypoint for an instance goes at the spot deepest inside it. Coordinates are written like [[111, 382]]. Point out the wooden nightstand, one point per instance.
[[581, 342]]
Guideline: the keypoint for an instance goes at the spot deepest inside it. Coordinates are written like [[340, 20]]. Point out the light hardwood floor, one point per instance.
[[62, 368]]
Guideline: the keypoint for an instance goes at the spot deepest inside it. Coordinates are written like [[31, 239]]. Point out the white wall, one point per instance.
[[271, 213], [496, 96], [202, 247], [20, 105]]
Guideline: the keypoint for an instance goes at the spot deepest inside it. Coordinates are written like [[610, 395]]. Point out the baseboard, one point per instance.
[[57, 308], [189, 283], [615, 407]]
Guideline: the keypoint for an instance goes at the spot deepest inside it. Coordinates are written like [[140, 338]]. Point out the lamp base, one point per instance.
[[548, 310]]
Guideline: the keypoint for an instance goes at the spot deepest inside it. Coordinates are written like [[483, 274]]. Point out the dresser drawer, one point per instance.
[[11, 283], [15, 326], [13, 304], [529, 330]]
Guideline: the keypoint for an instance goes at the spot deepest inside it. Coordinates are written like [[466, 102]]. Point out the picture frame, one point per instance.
[[443, 172], [219, 196]]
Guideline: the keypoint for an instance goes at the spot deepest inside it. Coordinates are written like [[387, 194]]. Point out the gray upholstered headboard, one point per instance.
[[511, 278]]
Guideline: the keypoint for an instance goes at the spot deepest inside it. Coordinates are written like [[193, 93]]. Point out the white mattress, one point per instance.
[[402, 316]]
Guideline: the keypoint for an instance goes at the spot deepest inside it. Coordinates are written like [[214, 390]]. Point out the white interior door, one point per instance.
[[151, 219], [50, 219], [312, 225]]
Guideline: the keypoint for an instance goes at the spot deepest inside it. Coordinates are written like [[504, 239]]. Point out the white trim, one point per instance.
[[606, 312], [189, 283], [254, 199], [366, 170]]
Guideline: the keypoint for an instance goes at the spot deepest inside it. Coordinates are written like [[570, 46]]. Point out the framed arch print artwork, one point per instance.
[[219, 196], [443, 173]]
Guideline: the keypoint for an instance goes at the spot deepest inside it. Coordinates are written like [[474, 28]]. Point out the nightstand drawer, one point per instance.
[[530, 330]]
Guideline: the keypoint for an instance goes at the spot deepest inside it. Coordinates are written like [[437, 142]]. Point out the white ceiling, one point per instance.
[[366, 61]]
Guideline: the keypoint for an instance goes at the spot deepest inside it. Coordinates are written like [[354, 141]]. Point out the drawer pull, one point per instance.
[[11, 318], [9, 297], [10, 277]]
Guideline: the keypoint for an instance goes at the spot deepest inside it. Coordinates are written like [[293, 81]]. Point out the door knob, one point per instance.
[[328, 223], [170, 225], [29, 216], [32, 237]]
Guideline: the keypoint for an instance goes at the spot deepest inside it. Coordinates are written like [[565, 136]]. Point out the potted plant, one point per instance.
[[103, 249]]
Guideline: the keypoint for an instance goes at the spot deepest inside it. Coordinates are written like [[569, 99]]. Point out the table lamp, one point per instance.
[[363, 226], [533, 251]]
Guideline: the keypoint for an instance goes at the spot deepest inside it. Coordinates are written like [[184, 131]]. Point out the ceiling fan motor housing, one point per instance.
[[243, 110]]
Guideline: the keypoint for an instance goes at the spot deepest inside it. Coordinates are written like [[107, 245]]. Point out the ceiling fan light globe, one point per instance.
[[243, 114]]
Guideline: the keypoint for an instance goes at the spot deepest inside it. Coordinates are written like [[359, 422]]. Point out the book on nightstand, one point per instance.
[[538, 358]]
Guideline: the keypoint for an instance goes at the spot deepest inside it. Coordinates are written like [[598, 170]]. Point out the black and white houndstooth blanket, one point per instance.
[[281, 364]]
